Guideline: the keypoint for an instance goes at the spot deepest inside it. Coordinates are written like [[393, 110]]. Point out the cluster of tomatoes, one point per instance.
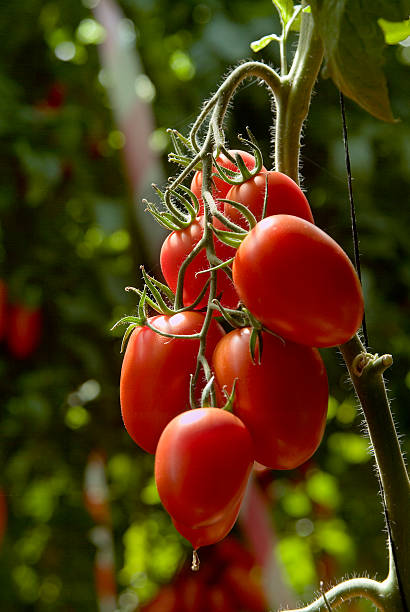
[[20, 325], [290, 290], [230, 581]]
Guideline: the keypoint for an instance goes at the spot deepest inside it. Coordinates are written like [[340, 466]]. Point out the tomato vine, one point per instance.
[[291, 92]]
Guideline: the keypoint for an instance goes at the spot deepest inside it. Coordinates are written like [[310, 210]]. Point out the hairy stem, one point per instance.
[[366, 372], [296, 92]]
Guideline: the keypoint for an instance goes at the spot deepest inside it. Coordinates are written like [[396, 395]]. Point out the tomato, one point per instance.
[[3, 308], [221, 187], [284, 196], [282, 401], [174, 251], [298, 282], [202, 464], [233, 551], [23, 330], [155, 374], [245, 588], [209, 534]]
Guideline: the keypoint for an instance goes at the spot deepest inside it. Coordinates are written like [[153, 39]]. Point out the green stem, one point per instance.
[[384, 595], [296, 92], [366, 373]]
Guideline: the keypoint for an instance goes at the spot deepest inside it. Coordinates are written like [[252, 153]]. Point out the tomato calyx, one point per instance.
[[177, 215], [237, 178]]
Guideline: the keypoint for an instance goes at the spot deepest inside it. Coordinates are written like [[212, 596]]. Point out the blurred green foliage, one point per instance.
[[68, 245]]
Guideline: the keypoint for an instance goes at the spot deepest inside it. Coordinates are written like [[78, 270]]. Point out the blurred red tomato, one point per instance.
[[23, 330]]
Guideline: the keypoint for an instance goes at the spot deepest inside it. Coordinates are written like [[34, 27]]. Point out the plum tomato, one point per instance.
[[296, 280], [154, 384], [284, 196], [209, 534], [177, 246], [282, 401], [202, 464], [221, 187]]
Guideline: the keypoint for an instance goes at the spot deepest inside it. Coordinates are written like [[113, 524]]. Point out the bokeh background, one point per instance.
[[87, 91]]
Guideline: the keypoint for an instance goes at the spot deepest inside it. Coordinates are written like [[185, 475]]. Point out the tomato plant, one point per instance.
[[23, 330], [221, 187], [202, 464], [282, 401], [283, 196], [176, 247], [298, 281], [154, 383]]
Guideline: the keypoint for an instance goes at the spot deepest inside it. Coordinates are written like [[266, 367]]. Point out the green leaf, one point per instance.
[[285, 9], [354, 44], [394, 31], [258, 45]]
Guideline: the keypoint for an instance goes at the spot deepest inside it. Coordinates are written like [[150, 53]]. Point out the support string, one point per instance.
[[352, 209]]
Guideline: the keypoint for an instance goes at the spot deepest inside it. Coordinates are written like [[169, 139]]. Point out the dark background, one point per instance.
[[69, 244]]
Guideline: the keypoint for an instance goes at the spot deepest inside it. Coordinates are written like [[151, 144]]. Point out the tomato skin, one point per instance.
[[174, 251], [23, 330], [298, 281], [221, 188], [283, 401], [202, 465], [209, 534], [154, 384], [284, 197]]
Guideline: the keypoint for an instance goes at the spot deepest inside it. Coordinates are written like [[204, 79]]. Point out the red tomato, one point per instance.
[[284, 197], [154, 385], [221, 188], [282, 401], [298, 282], [202, 464], [3, 308], [245, 588], [209, 534], [174, 251], [23, 330]]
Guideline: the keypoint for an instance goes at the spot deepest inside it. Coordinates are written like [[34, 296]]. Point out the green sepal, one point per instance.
[[159, 301], [178, 137], [126, 335], [256, 337], [128, 319], [244, 210], [230, 398], [235, 318], [233, 239], [183, 160], [164, 219], [221, 266]]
